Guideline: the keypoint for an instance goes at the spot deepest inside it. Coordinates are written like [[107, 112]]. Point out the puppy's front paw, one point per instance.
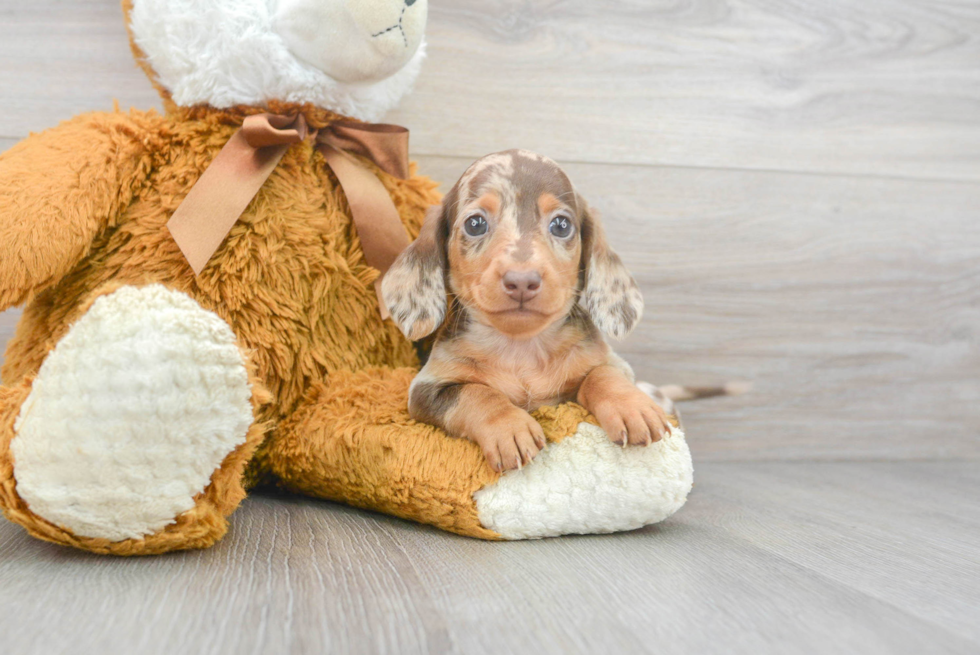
[[632, 418], [510, 441]]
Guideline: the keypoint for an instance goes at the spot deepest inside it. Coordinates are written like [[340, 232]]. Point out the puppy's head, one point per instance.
[[518, 247]]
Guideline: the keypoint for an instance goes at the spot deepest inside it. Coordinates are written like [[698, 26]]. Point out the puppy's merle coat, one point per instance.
[[514, 271]]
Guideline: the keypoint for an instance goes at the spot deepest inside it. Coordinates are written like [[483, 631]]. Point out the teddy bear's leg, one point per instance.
[[133, 435], [352, 441]]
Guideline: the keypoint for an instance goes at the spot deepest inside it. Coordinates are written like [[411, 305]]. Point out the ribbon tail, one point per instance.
[[213, 206], [379, 226]]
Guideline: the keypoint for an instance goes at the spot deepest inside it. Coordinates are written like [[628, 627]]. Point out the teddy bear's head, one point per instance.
[[353, 57]]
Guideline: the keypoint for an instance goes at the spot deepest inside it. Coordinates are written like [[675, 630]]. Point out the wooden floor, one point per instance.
[[796, 186]]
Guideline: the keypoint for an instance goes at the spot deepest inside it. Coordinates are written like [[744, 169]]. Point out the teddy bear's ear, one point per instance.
[[414, 288], [610, 295]]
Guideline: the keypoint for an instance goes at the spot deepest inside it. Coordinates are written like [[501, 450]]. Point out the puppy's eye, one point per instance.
[[561, 227], [475, 225]]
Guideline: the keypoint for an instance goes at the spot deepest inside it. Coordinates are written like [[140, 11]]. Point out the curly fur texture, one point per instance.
[[290, 278]]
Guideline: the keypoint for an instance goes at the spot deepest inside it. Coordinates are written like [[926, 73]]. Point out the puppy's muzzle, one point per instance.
[[522, 286]]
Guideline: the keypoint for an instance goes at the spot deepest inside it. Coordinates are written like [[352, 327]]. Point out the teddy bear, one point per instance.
[[185, 339]]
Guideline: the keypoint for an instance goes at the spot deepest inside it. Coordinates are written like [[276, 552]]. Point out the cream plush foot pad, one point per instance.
[[586, 484], [131, 414]]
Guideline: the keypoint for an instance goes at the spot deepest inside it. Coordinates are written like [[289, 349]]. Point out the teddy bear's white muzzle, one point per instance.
[[352, 40]]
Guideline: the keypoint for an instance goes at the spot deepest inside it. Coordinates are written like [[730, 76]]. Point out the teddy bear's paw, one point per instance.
[[130, 415], [585, 484]]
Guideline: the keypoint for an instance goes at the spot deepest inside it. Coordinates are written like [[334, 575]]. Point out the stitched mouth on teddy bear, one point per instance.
[[397, 26], [353, 41]]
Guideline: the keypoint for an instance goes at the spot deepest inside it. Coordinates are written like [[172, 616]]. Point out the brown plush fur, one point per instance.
[[290, 278], [83, 211], [85, 205], [391, 464]]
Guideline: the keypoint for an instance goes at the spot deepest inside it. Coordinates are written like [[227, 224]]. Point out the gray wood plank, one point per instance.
[[869, 88], [828, 562], [59, 59], [902, 534], [8, 324]]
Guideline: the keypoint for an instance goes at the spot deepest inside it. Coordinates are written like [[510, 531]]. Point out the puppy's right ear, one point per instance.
[[414, 288]]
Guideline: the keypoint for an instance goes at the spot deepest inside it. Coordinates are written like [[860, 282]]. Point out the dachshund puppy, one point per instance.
[[514, 271]]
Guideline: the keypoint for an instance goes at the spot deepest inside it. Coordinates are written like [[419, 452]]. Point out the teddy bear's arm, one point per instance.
[[59, 189]]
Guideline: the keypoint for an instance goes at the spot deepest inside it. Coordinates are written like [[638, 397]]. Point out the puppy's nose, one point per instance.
[[522, 285]]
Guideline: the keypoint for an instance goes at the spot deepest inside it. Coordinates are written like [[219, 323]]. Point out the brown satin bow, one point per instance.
[[219, 198]]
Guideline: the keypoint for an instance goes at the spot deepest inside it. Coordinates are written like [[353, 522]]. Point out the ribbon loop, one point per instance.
[[213, 206]]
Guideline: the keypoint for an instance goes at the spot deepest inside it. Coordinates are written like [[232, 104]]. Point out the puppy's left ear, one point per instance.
[[414, 288], [610, 295]]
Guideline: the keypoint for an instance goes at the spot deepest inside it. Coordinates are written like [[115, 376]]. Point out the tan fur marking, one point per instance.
[[548, 203], [490, 202]]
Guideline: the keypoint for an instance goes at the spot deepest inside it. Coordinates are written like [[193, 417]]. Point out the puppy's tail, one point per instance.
[[680, 393], [669, 395]]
